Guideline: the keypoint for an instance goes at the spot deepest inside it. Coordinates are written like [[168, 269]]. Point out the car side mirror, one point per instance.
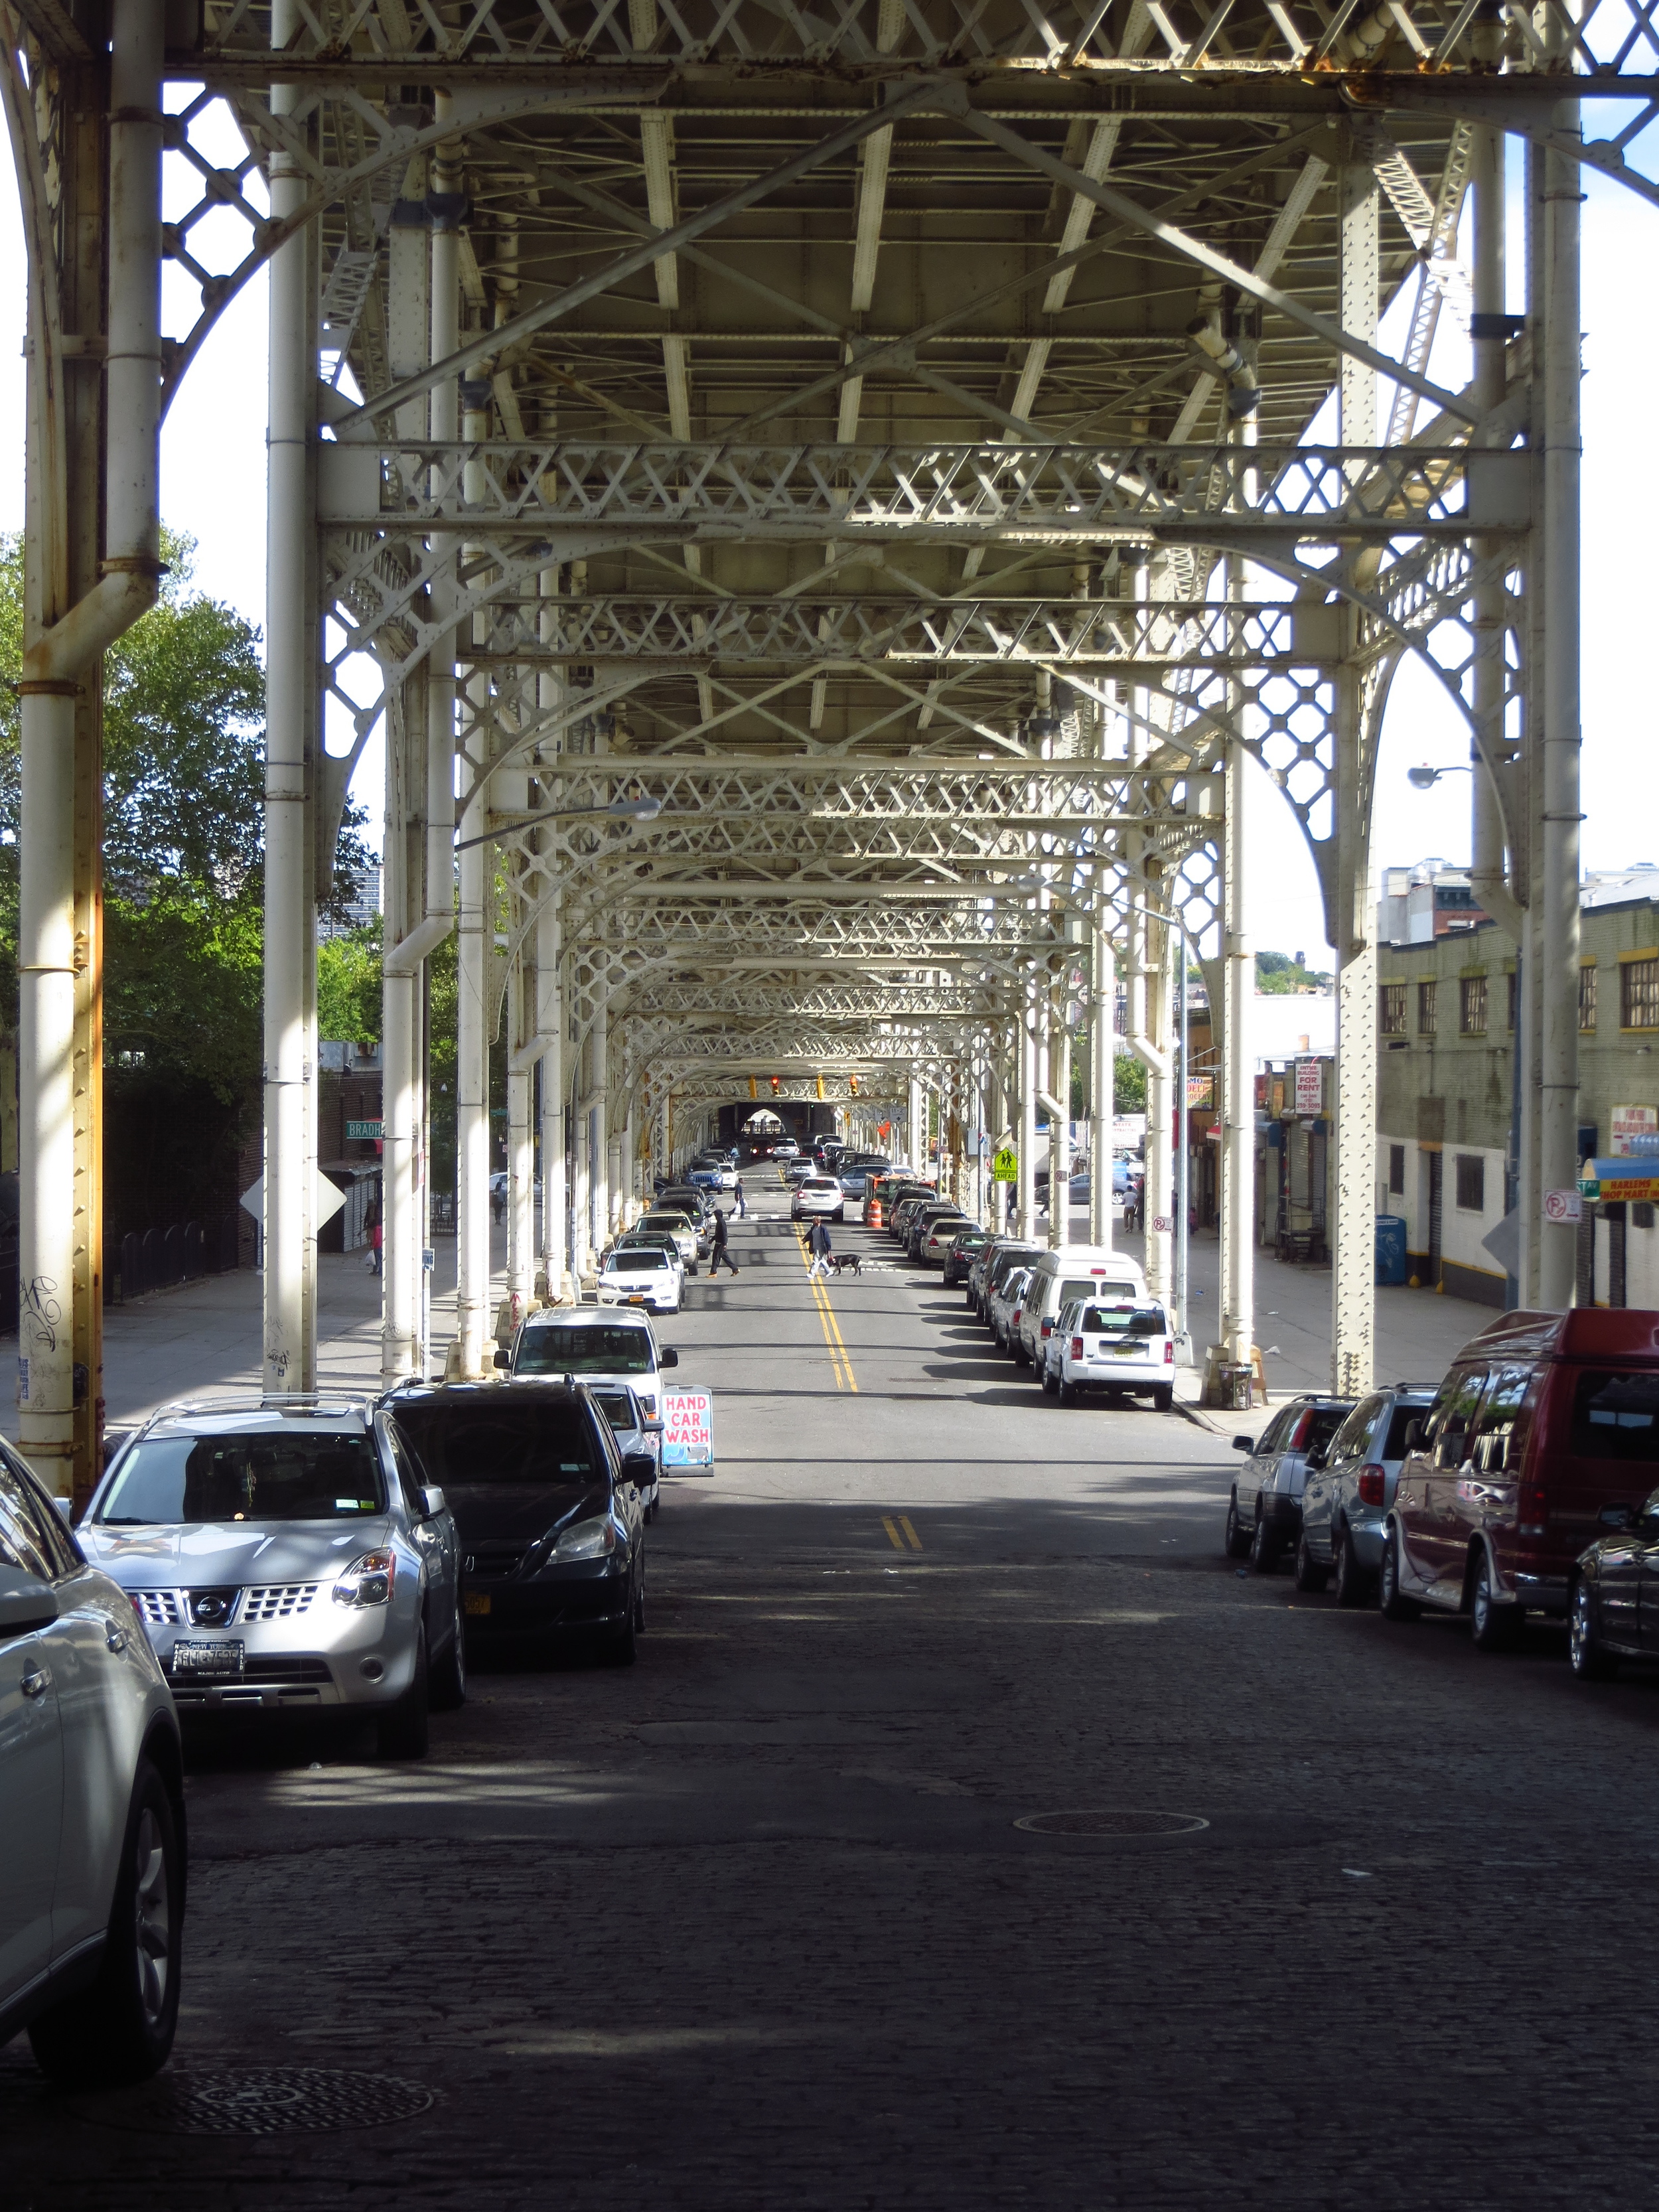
[[432, 1499], [1414, 1437], [1244, 1443], [639, 1467], [503, 1358], [26, 1602], [670, 1358], [1617, 1516], [653, 1428]]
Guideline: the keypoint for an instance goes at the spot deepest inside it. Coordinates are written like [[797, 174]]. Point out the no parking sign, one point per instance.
[[688, 1428]]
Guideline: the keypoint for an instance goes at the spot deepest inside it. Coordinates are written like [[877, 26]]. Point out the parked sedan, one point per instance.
[[1007, 1303], [549, 1508], [91, 1808], [642, 1275], [685, 1229], [1613, 1604], [1345, 1503], [932, 1231], [1264, 1514], [285, 1557], [964, 1246]]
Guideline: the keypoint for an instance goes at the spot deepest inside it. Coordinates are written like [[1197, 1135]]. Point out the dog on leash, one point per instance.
[[844, 1263]]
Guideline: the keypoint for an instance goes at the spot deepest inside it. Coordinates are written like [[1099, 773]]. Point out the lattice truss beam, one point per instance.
[[856, 409]]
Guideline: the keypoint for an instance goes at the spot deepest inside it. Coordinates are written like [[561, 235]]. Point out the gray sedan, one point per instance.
[[285, 1557]]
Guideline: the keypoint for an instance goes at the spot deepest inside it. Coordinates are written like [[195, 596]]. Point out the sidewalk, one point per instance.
[[205, 1335]]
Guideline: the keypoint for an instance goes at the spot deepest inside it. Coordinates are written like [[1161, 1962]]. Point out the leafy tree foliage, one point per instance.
[[1278, 974], [184, 779]]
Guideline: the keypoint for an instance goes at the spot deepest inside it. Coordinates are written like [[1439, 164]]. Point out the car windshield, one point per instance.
[[637, 1257], [462, 1445], [668, 1223], [1616, 1416], [1126, 1320], [597, 1348], [280, 1474]]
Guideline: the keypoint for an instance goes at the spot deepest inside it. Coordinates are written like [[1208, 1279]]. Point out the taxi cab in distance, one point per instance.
[[549, 1508]]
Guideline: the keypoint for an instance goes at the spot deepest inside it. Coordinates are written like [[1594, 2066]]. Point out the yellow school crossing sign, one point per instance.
[[1005, 1165]]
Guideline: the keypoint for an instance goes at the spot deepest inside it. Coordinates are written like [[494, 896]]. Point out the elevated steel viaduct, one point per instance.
[[817, 503]]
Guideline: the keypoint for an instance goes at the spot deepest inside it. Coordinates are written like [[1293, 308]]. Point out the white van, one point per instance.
[[1076, 1271], [593, 1343]]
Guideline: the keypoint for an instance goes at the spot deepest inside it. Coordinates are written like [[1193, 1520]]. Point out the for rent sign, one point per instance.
[[688, 1430]]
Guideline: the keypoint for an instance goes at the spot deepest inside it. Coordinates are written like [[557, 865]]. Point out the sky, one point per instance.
[[213, 488]]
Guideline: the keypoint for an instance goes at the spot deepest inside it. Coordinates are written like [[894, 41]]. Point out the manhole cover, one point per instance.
[[270, 2100], [1111, 1824]]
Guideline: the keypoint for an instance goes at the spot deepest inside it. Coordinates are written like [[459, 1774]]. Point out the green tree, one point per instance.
[[1129, 1085], [349, 986], [1278, 974]]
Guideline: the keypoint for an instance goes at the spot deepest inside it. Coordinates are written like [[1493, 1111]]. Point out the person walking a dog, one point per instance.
[[817, 1241], [719, 1251]]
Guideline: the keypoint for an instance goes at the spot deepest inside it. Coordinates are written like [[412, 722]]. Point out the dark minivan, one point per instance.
[[1545, 1422]]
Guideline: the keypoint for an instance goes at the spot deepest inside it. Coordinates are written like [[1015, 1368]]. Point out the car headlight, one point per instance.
[[368, 1581], [586, 1540]]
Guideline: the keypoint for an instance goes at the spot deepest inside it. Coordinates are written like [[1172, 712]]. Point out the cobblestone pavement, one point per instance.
[[752, 1924]]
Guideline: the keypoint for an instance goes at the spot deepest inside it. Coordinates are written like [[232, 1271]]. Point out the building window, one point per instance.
[[1514, 981], [1391, 1012], [1587, 995], [1472, 1006], [1425, 993], [1638, 995], [1396, 1169], [1470, 1183]]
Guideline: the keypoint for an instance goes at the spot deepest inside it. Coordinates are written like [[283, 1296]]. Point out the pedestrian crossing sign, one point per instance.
[[1005, 1165]]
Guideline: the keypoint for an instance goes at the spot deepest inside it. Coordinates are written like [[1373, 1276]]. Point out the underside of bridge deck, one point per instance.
[[819, 508]]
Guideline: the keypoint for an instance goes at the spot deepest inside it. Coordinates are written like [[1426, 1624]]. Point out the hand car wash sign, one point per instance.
[[688, 1428]]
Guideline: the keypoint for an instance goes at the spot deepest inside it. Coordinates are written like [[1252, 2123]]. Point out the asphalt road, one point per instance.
[[754, 1923]]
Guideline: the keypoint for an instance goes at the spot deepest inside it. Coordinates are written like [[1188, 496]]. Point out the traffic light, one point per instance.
[[853, 1085], [777, 1084], [820, 1083], [754, 1088]]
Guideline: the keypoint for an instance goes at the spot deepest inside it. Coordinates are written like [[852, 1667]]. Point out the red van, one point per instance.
[[1546, 1420]]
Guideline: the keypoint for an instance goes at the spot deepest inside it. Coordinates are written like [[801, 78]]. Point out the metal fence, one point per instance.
[[157, 1259]]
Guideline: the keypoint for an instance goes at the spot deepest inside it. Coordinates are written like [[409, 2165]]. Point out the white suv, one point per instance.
[[1111, 1345], [91, 1808]]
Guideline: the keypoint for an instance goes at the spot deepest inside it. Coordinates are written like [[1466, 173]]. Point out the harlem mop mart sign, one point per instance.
[[688, 1428]]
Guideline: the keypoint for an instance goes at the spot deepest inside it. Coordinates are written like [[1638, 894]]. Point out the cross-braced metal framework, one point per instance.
[[819, 505]]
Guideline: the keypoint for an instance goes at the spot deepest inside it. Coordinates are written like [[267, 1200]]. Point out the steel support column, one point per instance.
[[1557, 938], [290, 946]]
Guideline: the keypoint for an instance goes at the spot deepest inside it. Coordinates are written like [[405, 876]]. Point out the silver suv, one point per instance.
[[1264, 1514], [285, 1555], [1345, 1503]]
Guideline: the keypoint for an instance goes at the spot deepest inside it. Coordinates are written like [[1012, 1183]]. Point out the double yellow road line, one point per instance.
[[840, 1362], [893, 1523]]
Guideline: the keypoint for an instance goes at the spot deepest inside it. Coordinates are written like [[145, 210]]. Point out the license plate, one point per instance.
[[477, 1601], [1123, 1351], [637, 1299], [204, 1658]]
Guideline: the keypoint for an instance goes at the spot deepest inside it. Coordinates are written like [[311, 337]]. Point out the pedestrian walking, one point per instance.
[[818, 1243], [736, 1193], [372, 1222], [719, 1251]]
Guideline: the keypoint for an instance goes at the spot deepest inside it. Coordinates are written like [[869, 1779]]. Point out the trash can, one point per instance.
[[1391, 1248]]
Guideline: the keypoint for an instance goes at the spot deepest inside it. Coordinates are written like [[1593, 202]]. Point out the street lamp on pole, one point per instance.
[[642, 809]]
